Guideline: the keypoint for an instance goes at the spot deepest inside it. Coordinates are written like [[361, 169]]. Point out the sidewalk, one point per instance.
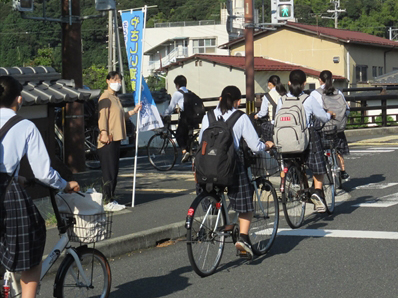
[[159, 212]]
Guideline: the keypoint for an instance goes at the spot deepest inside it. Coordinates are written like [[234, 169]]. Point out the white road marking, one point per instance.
[[339, 233], [386, 201], [371, 151], [132, 158], [375, 185]]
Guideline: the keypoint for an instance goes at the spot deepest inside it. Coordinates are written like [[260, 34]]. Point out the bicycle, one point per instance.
[[296, 192], [208, 222], [84, 271], [162, 150], [329, 140]]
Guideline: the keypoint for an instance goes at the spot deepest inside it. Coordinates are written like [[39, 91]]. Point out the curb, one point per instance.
[[371, 131]]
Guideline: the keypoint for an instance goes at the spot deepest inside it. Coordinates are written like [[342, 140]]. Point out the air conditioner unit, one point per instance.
[[240, 53]]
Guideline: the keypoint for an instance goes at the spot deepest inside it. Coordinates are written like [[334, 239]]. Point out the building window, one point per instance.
[[380, 70], [311, 86], [361, 73], [374, 71], [201, 46]]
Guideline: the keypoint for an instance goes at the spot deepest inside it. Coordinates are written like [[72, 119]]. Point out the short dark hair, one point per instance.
[[228, 96], [297, 78], [113, 74], [181, 81], [10, 88]]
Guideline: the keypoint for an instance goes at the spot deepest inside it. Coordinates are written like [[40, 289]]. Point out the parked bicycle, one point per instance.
[[210, 218], [84, 272], [296, 192], [162, 149]]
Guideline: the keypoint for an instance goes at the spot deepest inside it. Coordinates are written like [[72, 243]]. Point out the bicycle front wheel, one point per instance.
[[162, 152], [97, 270], [336, 174], [293, 205], [329, 188], [264, 225], [205, 237]]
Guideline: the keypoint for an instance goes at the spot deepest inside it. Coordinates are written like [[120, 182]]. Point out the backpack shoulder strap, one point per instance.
[[233, 118], [270, 99], [10, 123], [211, 116], [319, 90]]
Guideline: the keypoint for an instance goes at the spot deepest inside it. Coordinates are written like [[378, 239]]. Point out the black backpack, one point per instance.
[[215, 160], [194, 109]]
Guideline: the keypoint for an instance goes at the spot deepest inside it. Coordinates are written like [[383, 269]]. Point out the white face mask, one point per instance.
[[115, 86]]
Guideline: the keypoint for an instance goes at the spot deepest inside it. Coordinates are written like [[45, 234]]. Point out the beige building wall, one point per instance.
[[208, 79], [297, 48]]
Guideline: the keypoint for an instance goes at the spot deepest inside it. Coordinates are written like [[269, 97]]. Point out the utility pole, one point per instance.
[[249, 55], [72, 70], [336, 11], [110, 40]]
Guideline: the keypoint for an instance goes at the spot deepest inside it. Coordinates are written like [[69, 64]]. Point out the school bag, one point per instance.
[[273, 104], [336, 103], [193, 108], [215, 160], [290, 127]]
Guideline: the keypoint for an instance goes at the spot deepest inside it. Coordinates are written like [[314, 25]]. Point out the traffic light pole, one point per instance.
[[249, 56], [72, 69]]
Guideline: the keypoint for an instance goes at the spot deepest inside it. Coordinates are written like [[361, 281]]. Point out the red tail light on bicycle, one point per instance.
[[188, 220], [218, 205]]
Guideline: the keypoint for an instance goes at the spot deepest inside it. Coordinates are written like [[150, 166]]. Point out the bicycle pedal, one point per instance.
[[243, 254]]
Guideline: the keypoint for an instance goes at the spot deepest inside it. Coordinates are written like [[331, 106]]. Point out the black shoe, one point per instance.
[[344, 176], [244, 246], [319, 201], [185, 157]]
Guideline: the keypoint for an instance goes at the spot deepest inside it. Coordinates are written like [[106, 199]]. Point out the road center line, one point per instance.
[[339, 234]]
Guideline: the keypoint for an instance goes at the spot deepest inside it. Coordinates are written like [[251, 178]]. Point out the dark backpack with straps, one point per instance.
[[273, 103], [194, 108], [3, 131], [215, 160]]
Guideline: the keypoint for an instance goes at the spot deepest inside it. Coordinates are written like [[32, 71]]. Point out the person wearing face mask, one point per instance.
[[112, 126], [22, 229]]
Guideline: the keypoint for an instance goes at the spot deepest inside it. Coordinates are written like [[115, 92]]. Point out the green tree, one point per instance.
[[44, 57], [95, 77]]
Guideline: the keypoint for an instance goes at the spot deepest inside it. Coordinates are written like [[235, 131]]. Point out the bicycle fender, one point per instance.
[[61, 269], [191, 210]]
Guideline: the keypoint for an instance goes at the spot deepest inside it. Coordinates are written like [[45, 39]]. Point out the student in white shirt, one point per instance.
[[241, 196], [23, 230], [326, 82]]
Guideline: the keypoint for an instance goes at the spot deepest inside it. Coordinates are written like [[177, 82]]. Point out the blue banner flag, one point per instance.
[[133, 31]]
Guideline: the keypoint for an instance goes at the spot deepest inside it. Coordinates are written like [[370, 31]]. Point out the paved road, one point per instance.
[[349, 254]]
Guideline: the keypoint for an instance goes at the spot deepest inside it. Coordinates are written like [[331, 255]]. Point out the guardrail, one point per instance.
[[362, 103]]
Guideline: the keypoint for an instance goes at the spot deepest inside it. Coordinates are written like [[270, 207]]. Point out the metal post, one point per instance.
[[72, 69], [249, 56], [119, 53], [110, 39]]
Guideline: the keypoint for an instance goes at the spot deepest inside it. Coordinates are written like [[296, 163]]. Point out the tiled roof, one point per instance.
[[43, 85], [390, 78], [345, 36], [260, 64]]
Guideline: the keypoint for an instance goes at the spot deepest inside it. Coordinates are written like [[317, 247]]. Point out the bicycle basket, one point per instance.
[[89, 228], [264, 164], [329, 136]]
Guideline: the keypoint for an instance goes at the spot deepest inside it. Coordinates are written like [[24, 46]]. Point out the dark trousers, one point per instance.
[[182, 132], [109, 157]]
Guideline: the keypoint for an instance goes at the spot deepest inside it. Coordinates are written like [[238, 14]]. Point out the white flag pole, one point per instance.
[[139, 90]]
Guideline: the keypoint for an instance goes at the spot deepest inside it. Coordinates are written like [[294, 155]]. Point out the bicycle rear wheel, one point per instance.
[[264, 225], [205, 237], [336, 173], [329, 188], [70, 283], [162, 152], [293, 205]]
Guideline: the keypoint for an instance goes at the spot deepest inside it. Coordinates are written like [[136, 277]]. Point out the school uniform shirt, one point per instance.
[[311, 106], [111, 117], [176, 99], [266, 108], [242, 125], [318, 97], [24, 138]]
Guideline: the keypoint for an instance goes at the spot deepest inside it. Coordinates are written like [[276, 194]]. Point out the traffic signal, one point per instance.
[[23, 5], [285, 10]]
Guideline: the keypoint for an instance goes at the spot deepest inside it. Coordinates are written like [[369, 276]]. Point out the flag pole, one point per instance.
[[139, 90]]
